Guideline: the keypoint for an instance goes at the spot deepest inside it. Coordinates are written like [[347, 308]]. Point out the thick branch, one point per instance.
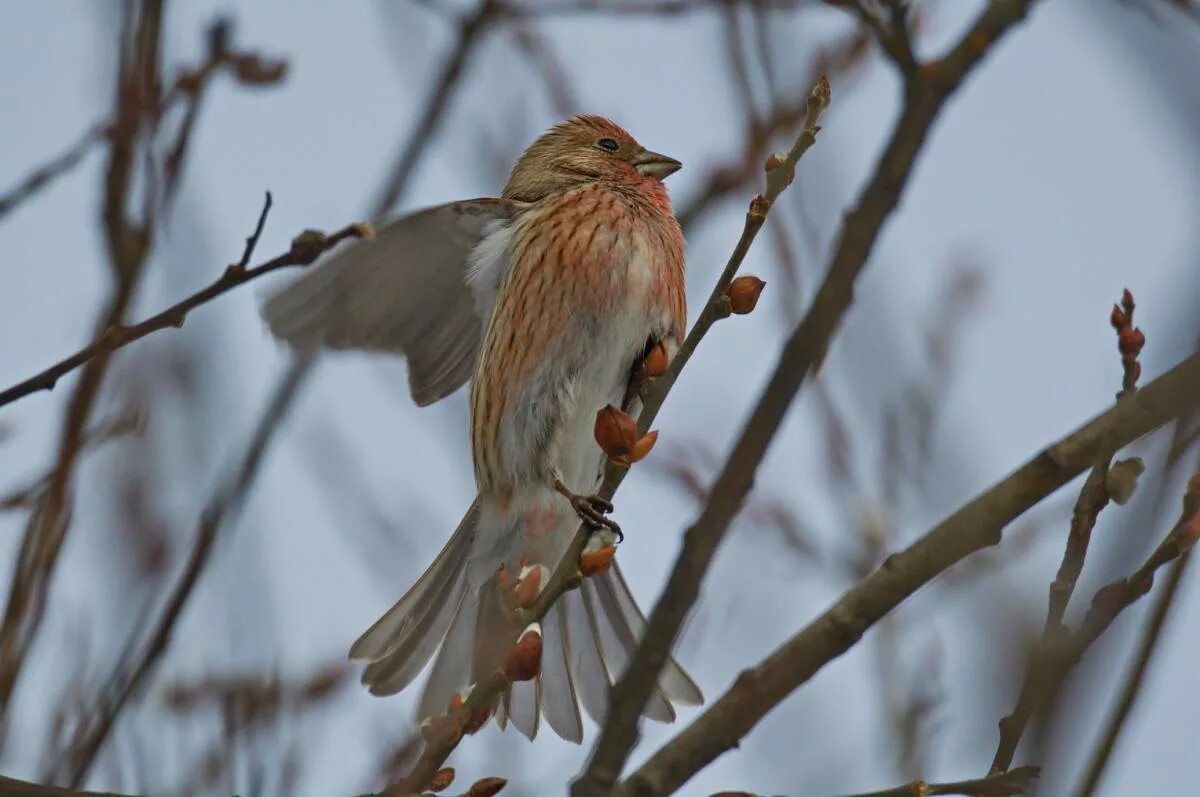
[[974, 527], [1016, 781]]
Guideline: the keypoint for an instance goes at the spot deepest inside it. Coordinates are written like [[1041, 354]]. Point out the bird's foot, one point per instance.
[[591, 509]]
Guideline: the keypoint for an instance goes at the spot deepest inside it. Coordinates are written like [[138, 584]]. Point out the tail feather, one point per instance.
[[396, 626], [588, 639], [618, 643], [559, 703]]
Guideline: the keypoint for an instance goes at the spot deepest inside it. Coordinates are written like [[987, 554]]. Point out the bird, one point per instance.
[[545, 299]]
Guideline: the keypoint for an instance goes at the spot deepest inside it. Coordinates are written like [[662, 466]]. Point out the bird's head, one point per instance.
[[582, 150]]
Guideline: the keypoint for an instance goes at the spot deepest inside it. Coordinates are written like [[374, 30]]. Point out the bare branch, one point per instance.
[[1093, 498], [131, 674], [1013, 782], [972, 528], [802, 353], [306, 248]]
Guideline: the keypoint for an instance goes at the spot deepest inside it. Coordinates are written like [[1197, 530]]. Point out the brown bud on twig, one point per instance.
[[743, 294], [616, 433], [486, 787], [1122, 479], [596, 563], [1130, 341], [654, 364], [1118, 319], [530, 583], [442, 779], [524, 661]]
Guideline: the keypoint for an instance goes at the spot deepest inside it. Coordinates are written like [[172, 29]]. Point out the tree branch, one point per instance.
[[130, 675], [306, 248], [1093, 498], [1016, 781], [977, 525], [1151, 634], [803, 352]]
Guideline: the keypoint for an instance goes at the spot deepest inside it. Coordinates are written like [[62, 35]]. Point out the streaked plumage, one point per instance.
[[545, 298]]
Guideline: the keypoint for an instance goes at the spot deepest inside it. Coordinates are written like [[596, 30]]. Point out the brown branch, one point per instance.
[[1093, 498], [1016, 781], [136, 96], [802, 353], [1134, 680], [43, 175], [306, 248], [130, 675], [629, 694], [470, 33], [29, 496], [976, 526], [565, 576], [11, 787]]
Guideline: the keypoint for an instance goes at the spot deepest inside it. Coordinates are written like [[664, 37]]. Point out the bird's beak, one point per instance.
[[655, 165]]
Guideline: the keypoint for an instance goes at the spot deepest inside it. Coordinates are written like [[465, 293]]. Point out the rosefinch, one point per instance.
[[546, 298]]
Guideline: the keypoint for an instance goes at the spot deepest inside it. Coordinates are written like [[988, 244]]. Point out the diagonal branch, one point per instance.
[[306, 248], [566, 575], [130, 675], [975, 526], [1013, 782], [801, 354]]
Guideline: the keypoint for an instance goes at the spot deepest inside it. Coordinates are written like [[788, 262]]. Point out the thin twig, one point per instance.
[[43, 175], [1015, 781], [470, 33], [977, 525], [306, 248], [802, 353], [1094, 496], [130, 675], [483, 695], [1164, 602]]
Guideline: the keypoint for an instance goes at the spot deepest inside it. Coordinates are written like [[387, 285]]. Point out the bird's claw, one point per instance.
[[592, 510]]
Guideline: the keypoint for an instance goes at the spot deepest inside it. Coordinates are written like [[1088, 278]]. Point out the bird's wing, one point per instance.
[[412, 290]]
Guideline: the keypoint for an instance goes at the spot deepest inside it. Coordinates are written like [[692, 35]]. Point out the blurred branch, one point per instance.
[[250, 69], [446, 732], [29, 496], [1065, 650], [139, 103], [11, 787], [975, 526], [136, 100], [1104, 482], [802, 353], [130, 673], [43, 175], [470, 33], [306, 248], [1135, 678], [1014, 782], [725, 179]]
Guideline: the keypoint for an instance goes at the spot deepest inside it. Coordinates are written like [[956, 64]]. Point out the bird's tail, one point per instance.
[[588, 637]]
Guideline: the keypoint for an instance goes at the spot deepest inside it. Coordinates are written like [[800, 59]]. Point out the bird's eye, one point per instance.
[[608, 144]]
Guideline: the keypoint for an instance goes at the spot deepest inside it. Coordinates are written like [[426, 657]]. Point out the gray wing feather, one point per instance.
[[406, 292]]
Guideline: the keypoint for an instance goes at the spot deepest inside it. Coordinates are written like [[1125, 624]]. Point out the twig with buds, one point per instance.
[[306, 247], [625, 442], [1116, 482]]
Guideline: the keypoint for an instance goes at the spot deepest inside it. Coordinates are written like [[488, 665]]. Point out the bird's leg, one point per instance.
[[590, 508]]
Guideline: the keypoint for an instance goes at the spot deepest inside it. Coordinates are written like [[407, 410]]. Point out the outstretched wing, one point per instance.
[[406, 291]]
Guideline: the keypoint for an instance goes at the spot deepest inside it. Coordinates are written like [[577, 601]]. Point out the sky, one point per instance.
[[1063, 172]]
